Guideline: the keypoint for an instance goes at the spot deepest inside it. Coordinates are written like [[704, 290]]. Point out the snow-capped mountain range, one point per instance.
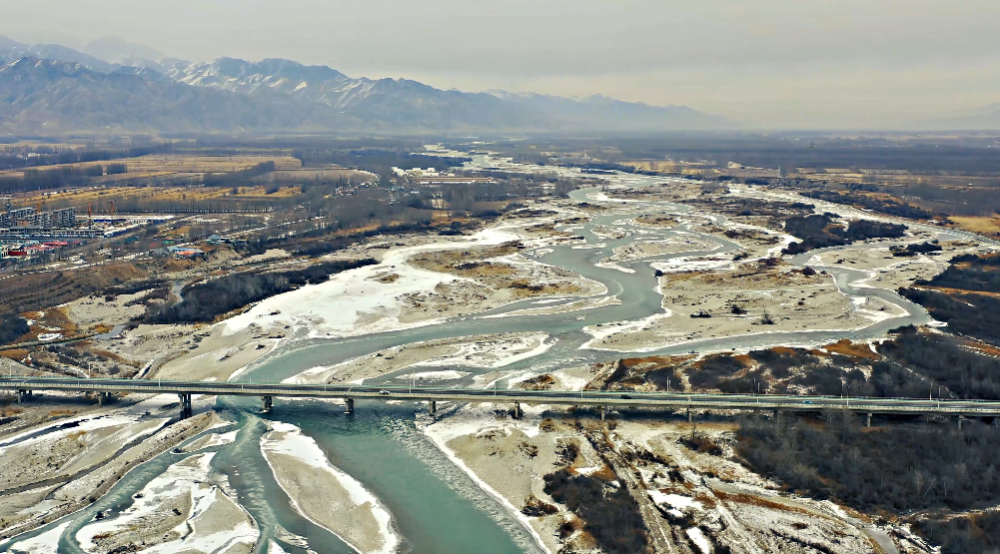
[[126, 90]]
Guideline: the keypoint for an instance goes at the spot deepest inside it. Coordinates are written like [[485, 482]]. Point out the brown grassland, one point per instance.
[[989, 226], [182, 164]]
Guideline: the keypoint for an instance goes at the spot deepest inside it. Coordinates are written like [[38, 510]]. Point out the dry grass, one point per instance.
[[983, 225], [983, 348], [667, 166], [604, 474], [785, 351], [524, 289], [16, 354], [655, 362], [99, 198], [745, 360], [300, 175], [116, 357], [657, 221], [541, 382], [952, 292], [467, 262], [33, 292], [853, 349], [547, 230], [183, 164], [705, 500], [261, 192], [50, 321], [726, 475], [751, 500]]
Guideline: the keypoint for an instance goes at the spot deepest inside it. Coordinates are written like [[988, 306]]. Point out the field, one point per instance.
[[299, 175], [166, 164], [98, 198], [989, 226], [176, 179], [669, 167]]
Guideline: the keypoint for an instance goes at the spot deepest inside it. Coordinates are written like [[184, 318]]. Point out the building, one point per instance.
[[28, 217], [38, 233], [452, 180], [13, 217], [415, 172]]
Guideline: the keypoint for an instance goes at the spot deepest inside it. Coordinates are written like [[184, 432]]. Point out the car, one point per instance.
[[808, 402], [384, 392], [626, 397]]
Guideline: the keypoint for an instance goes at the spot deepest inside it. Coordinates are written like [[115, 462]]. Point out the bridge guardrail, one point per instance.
[[720, 401]]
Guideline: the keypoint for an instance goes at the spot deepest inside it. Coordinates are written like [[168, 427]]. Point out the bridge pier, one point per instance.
[[960, 418], [518, 414], [102, 397], [868, 423], [350, 405], [186, 410], [432, 407], [690, 416], [602, 414], [268, 403], [23, 395]]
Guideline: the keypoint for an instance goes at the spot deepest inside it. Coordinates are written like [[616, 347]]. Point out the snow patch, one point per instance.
[[45, 543], [434, 375], [698, 538]]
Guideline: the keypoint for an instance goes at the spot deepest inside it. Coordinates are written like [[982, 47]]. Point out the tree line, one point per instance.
[[59, 177], [20, 159], [975, 315], [238, 178], [821, 231], [899, 469], [206, 301], [12, 327]]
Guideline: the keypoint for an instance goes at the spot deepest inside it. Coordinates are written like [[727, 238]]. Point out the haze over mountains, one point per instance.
[[115, 86]]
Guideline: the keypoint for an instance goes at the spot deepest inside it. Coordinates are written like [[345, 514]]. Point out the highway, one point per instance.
[[671, 401]]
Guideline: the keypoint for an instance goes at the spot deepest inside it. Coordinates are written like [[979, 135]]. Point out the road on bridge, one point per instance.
[[602, 399]]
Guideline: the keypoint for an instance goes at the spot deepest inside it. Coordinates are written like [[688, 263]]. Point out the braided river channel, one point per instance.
[[436, 508]]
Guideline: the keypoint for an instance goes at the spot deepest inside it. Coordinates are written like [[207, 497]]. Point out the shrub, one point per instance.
[[12, 327], [609, 514]]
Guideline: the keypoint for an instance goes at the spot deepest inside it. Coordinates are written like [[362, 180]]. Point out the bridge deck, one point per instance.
[[586, 398]]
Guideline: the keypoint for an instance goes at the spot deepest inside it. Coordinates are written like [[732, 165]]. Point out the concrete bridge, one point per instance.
[[25, 386]]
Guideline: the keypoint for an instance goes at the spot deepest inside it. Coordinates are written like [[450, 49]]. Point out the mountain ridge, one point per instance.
[[276, 84], [44, 97]]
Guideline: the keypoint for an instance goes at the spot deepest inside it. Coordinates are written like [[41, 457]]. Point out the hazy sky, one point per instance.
[[766, 62]]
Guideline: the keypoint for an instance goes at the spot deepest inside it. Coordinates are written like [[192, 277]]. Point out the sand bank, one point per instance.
[[82, 474], [211, 440], [325, 495], [177, 511], [484, 351], [45, 543], [750, 299], [506, 458]]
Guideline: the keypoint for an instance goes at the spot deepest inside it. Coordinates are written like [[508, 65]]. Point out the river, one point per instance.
[[437, 509]]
